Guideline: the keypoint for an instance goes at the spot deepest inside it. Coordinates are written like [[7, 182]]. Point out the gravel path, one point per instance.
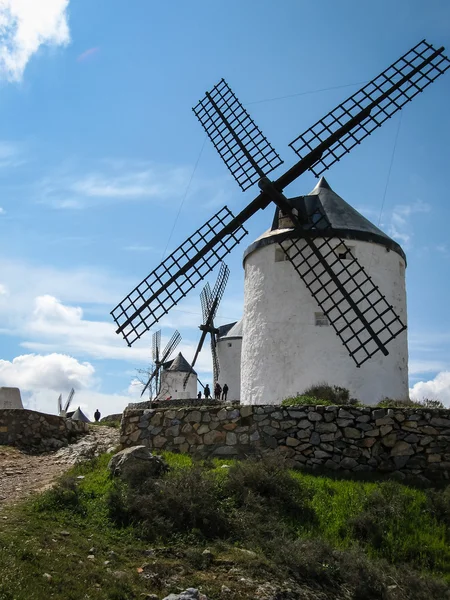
[[22, 474]]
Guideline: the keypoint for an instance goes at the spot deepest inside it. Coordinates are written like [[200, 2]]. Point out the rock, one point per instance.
[[290, 441], [440, 422], [389, 440], [344, 414], [351, 432], [326, 427], [189, 594], [378, 413], [314, 416], [315, 438], [348, 463], [373, 433], [119, 574], [402, 449], [122, 463], [384, 421]]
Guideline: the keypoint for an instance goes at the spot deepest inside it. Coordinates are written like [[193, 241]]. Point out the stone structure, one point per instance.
[[172, 380], [229, 349], [414, 442], [288, 344], [10, 398], [37, 432]]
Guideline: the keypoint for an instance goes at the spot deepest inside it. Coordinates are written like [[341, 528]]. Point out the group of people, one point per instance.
[[220, 393]]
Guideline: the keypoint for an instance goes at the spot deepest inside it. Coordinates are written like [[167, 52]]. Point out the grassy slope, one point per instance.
[[386, 522]]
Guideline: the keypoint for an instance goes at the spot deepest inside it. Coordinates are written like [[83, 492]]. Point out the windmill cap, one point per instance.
[[232, 331], [179, 363], [345, 222]]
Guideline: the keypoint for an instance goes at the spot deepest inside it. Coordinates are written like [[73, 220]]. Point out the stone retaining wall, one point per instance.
[[406, 441], [37, 432]]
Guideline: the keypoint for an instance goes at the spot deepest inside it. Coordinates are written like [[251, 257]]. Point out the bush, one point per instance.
[[408, 403], [183, 502], [322, 394], [65, 495], [305, 401]]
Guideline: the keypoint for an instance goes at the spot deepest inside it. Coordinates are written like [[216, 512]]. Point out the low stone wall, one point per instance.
[[37, 432], [414, 442]]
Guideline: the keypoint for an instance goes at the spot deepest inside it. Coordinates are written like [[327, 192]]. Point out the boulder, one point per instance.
[[130, 459], [189, 594]]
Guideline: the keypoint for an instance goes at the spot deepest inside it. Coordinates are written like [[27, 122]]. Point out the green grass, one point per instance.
[[322, 532]]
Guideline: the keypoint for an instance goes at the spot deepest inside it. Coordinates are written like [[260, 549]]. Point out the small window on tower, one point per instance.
[[280, 255], [321, 319], [344, 252], [229, 344]]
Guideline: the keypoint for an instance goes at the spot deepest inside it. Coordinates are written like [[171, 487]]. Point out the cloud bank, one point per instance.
[[25, 26]]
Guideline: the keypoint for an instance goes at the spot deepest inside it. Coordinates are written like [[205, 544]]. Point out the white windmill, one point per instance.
[[324, 288], [62, 411]]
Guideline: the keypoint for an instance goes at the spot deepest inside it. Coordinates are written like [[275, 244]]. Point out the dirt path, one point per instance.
[[22, 474]]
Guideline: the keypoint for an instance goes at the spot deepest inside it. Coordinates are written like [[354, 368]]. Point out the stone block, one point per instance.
[[326, 427], [385, 429], [304, 424], [348, 463], [315, 438], [231, 439], [352, 433], [246, 411], [440, 422], [372, 433], [314, 416], [384, 421], [345, 414], [321, 454], [290, 441], [389, 440], [402, 449], [379, 413], [344, 422], [214, 437], [230, 426]]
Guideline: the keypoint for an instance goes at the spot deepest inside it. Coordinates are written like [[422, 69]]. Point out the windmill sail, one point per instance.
[[170, 347], [210, 303]]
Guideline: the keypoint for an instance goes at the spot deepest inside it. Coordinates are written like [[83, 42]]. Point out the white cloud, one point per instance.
[[400, 227], [53, 371], [434, 389], [3, 290], [117, 182], [25, 25], [2, 211]]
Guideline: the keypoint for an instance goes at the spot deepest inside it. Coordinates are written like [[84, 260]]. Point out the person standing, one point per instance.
[[97, 416], [199, 396], [207, 391], [217, 391], [224, 392]]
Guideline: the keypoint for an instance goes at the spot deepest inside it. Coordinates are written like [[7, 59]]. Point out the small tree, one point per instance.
[[142, 376]]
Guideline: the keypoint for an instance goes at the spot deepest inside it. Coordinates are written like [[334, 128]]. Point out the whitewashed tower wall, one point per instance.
[[284, 351]]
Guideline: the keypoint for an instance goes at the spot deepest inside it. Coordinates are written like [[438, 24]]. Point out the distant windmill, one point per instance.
[[159, 359], [62, 412], [210, 303]]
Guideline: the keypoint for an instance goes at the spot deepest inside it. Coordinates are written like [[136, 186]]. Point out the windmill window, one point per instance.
[[280, 255], [321, 319], [344, 252], [229, 344]]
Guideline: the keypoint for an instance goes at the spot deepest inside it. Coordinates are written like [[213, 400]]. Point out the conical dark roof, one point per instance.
[[179, 364], [341, 220], [79, 415]]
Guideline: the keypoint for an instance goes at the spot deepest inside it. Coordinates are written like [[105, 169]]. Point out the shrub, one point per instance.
[[408, 403], [322, 394], [65, 495], [305, 401]]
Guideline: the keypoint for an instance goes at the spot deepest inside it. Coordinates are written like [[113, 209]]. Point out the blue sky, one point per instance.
[[98, 144]]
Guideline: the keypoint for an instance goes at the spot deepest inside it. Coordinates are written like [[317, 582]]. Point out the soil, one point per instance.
[[22, 474]]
